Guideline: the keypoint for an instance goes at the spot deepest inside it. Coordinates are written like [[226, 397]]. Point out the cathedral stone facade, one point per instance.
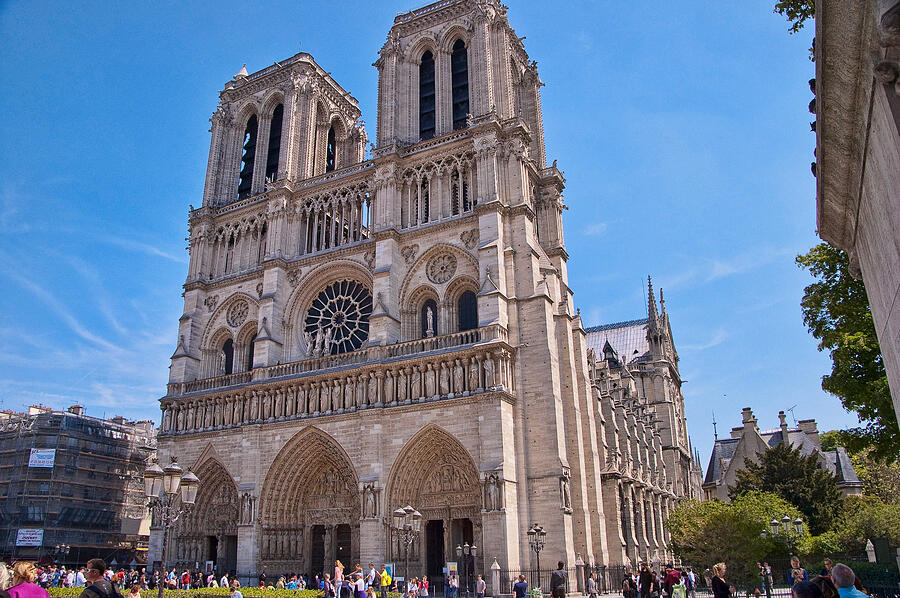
[[360, 334]]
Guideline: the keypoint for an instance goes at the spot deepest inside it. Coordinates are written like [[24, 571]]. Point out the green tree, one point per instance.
[[836, 311], [707, 532], [868, 517], [797, 12], [880, 477], [797, 479]]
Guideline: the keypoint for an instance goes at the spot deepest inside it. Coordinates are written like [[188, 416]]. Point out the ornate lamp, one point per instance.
[[798, 526], [172, 477], [153, 480]]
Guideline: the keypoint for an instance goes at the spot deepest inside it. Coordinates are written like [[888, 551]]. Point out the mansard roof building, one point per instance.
[[360, 334], [747, 441]]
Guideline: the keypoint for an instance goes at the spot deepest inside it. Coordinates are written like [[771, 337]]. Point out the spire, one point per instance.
[[242, 73], [652, 314], [662, 302]]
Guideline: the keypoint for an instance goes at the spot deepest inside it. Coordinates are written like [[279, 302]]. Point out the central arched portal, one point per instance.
[[309, 513], [435, 474]]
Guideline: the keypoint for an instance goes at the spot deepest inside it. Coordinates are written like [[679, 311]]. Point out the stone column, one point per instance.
[[247, 552]]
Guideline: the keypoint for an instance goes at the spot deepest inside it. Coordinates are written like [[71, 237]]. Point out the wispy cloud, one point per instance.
[[597, 229], [718, 337], [132, 245], [710, 269]]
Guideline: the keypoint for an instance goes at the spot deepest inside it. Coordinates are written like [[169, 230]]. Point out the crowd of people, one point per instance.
[[672, 582]]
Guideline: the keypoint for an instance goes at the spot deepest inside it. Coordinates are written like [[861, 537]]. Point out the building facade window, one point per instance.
[[228, 356], [426, 96], [274, 150], [468, 311], [248, 158], [331, 151], [459, 81]]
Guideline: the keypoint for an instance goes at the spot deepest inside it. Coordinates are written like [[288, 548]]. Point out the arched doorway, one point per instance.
[[435, 474], [309, 512], [209, 531]]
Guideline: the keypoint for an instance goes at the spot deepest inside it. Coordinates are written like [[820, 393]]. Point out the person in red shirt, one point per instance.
[[671, 580]]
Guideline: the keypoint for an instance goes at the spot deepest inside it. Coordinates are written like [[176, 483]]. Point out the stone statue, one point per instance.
[[401, 387], [309, 344], [429, 381], [489, 494], [320, 342], [369, 506], [495, 493], [473, 375], [458, 378], [429, 321], [180, 420], [279, 403], [266, 405], [564, 492], [489, 380], [254, 407], [336, 401], [372, 392], [326, 348], [445, 380], [348, 392], [416, 384]]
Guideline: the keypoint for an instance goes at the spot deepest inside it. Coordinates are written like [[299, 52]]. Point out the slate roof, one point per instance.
[[628, 339], [837, 462]]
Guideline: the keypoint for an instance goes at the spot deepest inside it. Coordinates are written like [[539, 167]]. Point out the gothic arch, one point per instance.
[[218, 320], [453, 33], [410, 311], [311, 481], [466, 263], [275, 97], [435, 473], [308, 288], [426, 41], [216, 511]]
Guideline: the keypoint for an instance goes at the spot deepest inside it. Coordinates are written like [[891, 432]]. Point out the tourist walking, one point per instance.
[[520, 588], [558, 581], [591, 586], [720, 587], [798, 573], [24, 575], [452, 586], [480, 587], [385, 582], [645, 582]]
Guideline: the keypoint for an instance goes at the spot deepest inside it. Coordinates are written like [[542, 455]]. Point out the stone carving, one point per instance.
[[259, 290], [409, 253], [369, 259], [429, 320], [565, 492], [469, 238], [441, 268], [492, 496], [293, 277], [370, 502], [237, 313], [211, 302]]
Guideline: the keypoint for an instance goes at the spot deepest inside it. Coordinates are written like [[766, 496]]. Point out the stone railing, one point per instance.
[[181, 388], [367, 355], [469, 370]]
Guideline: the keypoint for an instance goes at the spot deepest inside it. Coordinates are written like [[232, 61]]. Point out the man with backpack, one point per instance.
[[98, 586]]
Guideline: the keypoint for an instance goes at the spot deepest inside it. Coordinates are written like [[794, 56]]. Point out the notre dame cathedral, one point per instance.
[[364, 333]]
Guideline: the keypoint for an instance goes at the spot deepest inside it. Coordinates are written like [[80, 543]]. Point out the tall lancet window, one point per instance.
[[426, 96], [228, 357], [330, 150], [248, 158], [274, 149], [459, 81], [467, 307]]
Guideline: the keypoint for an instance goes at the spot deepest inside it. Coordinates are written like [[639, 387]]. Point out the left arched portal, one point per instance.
[[209, 531], [309, 509]]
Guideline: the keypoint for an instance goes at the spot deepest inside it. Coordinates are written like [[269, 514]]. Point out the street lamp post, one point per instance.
[[161, 487], [536, 540], [782, 528], [463, 554], [407, 522], [61, 550]]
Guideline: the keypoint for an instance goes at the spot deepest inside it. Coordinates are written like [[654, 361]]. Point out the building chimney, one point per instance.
[[784, 428], [76, 409], [810, 428], [748, 419]]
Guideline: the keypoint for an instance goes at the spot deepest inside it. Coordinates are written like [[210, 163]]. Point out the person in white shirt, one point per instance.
[[79, 578], [224, 581], [370, 576]]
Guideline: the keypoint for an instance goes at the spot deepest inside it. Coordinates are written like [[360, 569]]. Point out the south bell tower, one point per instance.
[[362, 334]]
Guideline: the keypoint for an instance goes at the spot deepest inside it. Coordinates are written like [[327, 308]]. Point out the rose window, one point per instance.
[[338, 319], [441, 268]]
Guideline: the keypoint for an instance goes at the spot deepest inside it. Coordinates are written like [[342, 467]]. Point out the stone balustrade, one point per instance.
[[404, 373]]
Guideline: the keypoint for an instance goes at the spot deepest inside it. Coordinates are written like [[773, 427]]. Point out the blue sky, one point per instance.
[[683, 134]]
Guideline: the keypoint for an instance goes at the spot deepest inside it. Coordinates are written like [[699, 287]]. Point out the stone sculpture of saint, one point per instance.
[[372, 392], [416, 384], [309, 343], [429, 321], [458, 378], [429, 381], [489, 380], [320, 342], [445, 380], [473, 375]]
